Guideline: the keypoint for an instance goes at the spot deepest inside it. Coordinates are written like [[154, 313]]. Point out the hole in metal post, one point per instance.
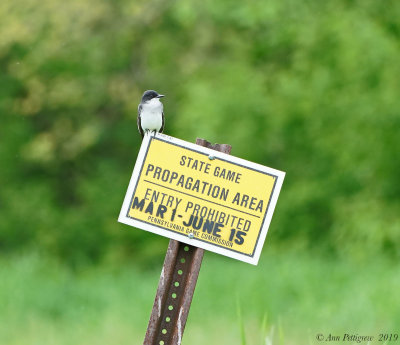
[[186, 248], [183, 260], [180, 272]]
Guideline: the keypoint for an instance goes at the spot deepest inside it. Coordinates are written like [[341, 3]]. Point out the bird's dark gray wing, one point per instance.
[[163, 122], [139, 121]]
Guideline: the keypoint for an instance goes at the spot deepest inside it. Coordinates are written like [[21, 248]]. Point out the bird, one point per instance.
[[150, 113]]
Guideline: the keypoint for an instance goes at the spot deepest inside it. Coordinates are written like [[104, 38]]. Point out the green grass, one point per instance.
[[288, 298]]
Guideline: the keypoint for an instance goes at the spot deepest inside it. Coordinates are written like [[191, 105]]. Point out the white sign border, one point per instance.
[[123, 218]]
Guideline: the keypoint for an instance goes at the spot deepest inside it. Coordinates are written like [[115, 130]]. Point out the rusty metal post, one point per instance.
[[176, 287]]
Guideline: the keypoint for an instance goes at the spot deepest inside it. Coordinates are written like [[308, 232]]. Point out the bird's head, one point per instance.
[[149, 95]]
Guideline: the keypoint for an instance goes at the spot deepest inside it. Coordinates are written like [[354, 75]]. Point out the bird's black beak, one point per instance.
[[159, 96]]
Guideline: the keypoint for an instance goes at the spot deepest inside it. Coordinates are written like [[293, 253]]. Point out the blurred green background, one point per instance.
[[311, 88]]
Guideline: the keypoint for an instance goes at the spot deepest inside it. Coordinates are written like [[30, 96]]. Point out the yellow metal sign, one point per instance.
[[201, 197]]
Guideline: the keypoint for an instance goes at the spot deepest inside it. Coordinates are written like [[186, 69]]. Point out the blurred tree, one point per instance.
[[309, 88]]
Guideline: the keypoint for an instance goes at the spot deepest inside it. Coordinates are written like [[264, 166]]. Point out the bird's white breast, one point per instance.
[[151, 115]]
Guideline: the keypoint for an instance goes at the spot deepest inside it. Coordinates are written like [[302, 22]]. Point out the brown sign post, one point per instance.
[[202, 198], [176, 287]]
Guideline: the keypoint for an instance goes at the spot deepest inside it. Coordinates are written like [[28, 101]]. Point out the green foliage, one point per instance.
[[111, 304], [310, 88]]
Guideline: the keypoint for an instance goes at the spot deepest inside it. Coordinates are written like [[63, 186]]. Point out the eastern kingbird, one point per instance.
[[150, 113]]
